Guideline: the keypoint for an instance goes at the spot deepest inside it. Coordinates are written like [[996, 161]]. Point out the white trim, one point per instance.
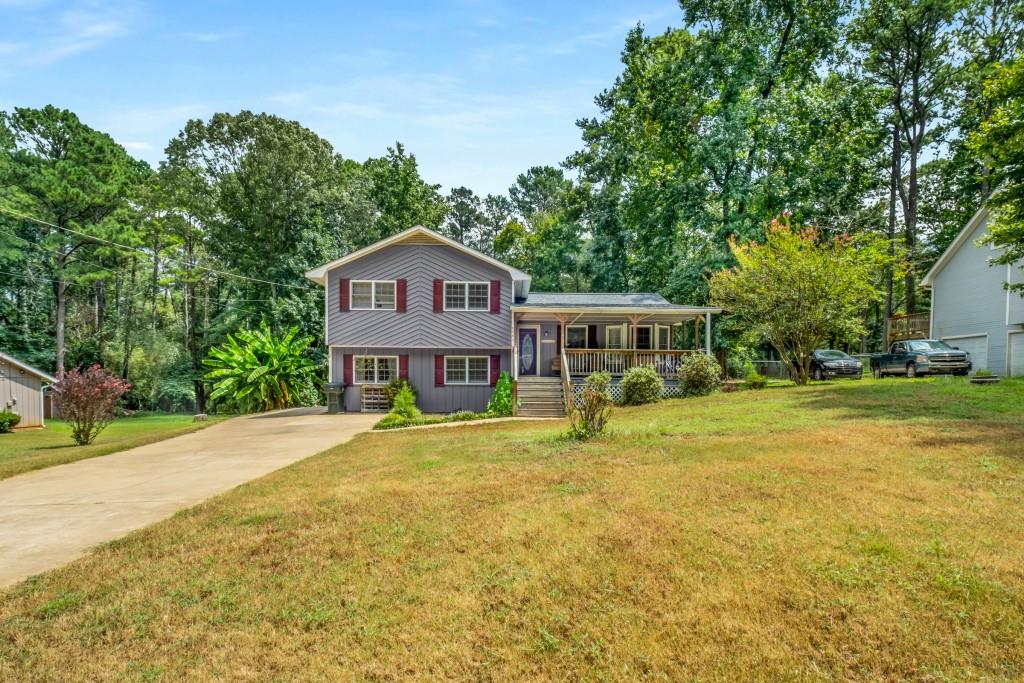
[[27, 368], [929, 278], [319, 274], [957, 336], [465, 288], [376, 378], [586, 337], [373, 295], [657, 337], [536, 361], [487, 359], [1009, 351]]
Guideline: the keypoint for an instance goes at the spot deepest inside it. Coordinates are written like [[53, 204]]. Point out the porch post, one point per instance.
[[707, 333]]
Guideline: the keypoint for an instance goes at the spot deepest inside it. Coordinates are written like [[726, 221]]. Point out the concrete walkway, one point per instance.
[[52, 516]]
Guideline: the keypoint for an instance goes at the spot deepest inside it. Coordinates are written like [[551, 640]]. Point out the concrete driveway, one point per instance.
[[52, 516]]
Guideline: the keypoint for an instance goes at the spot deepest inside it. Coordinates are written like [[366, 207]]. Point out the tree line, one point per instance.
[[887, 117]]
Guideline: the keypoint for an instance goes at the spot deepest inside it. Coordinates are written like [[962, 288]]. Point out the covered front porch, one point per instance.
[[583, 334]]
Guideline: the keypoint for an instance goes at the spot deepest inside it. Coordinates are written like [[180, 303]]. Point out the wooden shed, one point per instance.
[[22, 390]]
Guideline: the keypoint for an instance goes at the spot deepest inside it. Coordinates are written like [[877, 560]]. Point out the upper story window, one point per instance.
[[467, 296], [368, 295]]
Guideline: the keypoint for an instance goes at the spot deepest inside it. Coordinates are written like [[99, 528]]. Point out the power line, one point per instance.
[[143, 251]]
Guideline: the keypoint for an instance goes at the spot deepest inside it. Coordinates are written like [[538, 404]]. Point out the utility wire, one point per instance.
[[87, 236]]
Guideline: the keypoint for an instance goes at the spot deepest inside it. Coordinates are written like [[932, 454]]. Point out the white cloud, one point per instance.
[[210, 36], [69, 31]]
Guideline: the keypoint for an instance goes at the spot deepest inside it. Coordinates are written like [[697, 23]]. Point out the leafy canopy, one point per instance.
[[260, 371], [799, 292]]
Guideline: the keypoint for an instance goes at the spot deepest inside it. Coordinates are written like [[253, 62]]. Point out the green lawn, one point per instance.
[[866, 531], [33, 449]]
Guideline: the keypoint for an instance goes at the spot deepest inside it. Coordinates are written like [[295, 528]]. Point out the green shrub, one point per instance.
[[641, 385], [983, 372], [500, 404], [699, 375], [405, 404], [590, 417], [756, 380], [465, 416], [394, 421], [8, 421], [395, 386]]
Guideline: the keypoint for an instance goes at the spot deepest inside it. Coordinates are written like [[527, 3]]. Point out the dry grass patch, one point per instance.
[[799, 534]]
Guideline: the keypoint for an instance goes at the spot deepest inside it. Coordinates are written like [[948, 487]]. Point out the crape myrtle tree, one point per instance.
[[799, 290]]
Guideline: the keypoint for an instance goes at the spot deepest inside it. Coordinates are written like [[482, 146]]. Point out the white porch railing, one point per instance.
[[582, 362]]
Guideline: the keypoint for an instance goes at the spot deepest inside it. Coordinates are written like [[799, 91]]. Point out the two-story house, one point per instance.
[[449, 319], [972, 308]]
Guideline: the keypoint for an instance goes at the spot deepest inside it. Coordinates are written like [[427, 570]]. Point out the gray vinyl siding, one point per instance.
[[430, 398], [419, 326], [21, 392], [968, 299]]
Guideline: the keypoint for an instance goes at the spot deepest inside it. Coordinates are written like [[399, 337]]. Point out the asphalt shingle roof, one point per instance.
[[585, 300]]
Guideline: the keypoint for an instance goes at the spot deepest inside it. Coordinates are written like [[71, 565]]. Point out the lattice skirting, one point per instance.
[[615, 390]]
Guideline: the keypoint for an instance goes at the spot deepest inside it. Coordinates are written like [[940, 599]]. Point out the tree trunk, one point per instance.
[[129, 323], [894, 175], [60, 290], [101, 314]]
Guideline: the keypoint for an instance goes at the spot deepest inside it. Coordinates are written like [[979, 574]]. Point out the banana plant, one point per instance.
[[258, 370]]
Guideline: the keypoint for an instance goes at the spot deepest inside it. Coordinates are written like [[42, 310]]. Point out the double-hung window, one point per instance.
[[467, 370], [664, 337], [576, 337], [369, 295], [375, 369], [467, 296]]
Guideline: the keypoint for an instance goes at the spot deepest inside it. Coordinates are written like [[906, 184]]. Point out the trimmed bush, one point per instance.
[[641, 385], [756, 380], [590, 417], [8, 421], [699, 375], [500, 404], [87, 400]]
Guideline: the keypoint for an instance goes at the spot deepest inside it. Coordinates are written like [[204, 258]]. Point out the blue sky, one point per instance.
[[479, 90]]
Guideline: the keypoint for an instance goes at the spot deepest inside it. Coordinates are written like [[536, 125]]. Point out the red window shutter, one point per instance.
[[495, 296], [438, 296], [403, 367], [495, 368], [438, 371], [343, 295], [346, 369], [400, 296]]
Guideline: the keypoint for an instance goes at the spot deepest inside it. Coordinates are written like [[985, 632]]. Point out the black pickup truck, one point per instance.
[[921, 357]]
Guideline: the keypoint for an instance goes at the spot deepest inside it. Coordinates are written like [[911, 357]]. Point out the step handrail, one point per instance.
[[567, 393]]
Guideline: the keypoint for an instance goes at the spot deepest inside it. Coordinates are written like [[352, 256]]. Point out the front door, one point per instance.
[[529, 352]]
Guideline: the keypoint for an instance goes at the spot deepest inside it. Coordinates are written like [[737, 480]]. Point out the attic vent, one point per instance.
[[418, 239]]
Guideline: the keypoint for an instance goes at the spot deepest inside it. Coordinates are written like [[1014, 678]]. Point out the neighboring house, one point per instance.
[[22, 390], [423, 307], [971, 307]]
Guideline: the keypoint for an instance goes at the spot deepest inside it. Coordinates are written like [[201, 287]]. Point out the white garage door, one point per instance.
[[976, 346], [1017, 354]]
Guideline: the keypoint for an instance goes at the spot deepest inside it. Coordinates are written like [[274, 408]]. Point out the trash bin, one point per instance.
[[335, 393]]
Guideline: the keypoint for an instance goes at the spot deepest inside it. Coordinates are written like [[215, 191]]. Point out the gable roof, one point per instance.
[[417, 235], [954, 247], [27, 368]]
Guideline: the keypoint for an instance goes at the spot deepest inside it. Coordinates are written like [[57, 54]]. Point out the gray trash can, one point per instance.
[[335, 393]]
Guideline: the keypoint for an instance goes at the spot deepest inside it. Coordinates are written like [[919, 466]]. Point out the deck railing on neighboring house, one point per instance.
[[909, 326], [582, 362]]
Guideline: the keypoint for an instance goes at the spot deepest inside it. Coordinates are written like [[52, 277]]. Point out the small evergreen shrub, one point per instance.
[[395, 386], [641, 385], [699, 375], [591, 416], [405, 404], [8, 421], [500, 404], [756, 380]]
